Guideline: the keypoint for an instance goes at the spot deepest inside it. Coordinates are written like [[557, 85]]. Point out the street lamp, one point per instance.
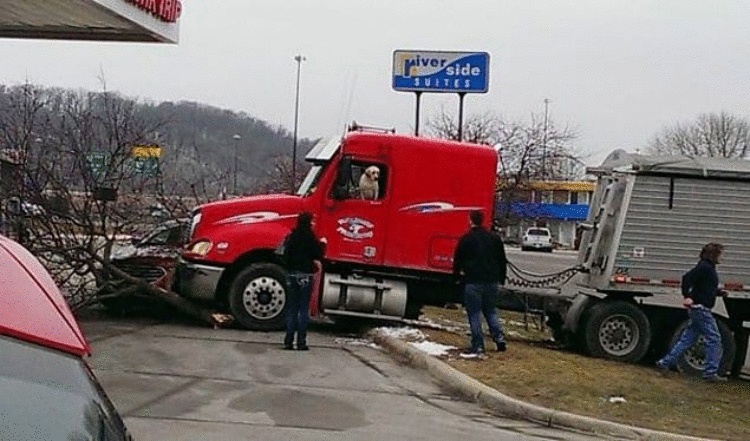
[[236, 138], [544, 142], [299, 59]]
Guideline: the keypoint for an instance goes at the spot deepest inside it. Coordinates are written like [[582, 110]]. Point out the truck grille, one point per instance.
[[145, 272]]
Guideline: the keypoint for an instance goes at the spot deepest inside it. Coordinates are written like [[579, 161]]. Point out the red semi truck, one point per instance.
[[384, 258], [387, 257]]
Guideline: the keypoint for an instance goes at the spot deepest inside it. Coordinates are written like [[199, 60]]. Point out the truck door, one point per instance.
[[354, 217]]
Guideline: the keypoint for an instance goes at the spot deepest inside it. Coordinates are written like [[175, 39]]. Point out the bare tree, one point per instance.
[[279, 178], [527, 150], [80, 187], [710, 134]]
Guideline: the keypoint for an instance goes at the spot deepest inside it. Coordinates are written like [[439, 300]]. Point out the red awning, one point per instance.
[[32, 307]]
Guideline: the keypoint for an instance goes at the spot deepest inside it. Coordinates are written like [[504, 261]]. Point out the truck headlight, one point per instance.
[[201, 248]]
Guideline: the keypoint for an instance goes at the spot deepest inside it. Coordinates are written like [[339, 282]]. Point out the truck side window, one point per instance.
[[368, 181]]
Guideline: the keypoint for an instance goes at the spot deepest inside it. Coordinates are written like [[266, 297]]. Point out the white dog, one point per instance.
[[368, 183]]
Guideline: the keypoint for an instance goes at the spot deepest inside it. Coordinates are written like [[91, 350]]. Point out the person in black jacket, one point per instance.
[[700, 286], [301, 251], [479, 263]]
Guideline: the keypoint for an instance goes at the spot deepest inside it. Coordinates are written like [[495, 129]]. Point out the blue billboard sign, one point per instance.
[[432, 71]]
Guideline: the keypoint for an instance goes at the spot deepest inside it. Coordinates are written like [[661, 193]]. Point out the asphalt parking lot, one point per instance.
[[180, 381]]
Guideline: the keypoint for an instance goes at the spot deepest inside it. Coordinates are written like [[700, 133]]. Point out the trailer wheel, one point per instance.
[[693, 360], [617, 330], [257, 297]]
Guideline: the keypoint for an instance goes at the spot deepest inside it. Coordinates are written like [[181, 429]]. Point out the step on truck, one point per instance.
[[648, 220], [386, 254]]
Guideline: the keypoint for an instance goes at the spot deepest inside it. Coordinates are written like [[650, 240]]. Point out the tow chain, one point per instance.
[[526, 279]]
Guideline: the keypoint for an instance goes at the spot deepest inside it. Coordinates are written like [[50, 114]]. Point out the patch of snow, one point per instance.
[[617, 400], [432, 348], [429, 323], [402, 332], [470, 355], [356, 342]]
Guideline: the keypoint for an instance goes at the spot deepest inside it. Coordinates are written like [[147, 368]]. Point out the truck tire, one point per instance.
[[617, 330], [257, 297], [692, 360]]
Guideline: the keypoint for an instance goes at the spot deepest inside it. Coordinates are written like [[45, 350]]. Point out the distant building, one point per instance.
[[557, 205]]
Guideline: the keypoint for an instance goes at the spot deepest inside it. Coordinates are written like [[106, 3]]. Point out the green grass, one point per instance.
[[559, 379]]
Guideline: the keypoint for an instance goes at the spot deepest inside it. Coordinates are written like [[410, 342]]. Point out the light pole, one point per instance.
[[544, 143], [299, 59], [236, 138]]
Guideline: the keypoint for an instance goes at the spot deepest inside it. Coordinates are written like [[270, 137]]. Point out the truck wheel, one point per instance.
[[693, 360], [618, 331], [257, 297]]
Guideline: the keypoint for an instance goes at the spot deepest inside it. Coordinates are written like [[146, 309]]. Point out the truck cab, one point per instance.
[[386, 253]]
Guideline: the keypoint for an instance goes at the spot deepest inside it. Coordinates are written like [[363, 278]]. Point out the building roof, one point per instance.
[[551, 185], [104, 20]]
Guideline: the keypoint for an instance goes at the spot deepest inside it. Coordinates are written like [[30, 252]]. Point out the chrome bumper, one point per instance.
[[197, 281]]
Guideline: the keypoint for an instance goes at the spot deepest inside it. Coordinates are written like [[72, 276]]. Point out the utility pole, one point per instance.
[[544, 142], [236, 138], [299, 59]]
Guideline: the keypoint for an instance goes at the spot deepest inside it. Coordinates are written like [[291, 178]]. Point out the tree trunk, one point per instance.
[[212, 318]]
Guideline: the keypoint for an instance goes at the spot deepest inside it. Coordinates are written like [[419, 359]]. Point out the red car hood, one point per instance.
[[31, 305]]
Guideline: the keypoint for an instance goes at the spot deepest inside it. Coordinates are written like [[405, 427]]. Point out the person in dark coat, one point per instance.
[[479, 263], [700, 286], [301, 251]]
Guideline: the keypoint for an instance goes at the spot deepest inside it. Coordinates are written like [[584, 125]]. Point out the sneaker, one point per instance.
[[715, 379], [501, 346], [288, 347], [303, 348], [663, 368]]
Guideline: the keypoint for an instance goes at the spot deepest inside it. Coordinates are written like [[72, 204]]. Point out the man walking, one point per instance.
[[479, 263], [700, 286]]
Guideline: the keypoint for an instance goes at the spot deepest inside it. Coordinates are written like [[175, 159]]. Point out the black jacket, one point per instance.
[[701, 284], [480, 255], [301, 249]]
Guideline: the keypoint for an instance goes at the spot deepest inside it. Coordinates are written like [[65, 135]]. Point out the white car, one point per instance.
[[537, 238]]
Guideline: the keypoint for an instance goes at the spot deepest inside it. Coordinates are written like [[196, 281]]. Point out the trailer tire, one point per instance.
[[257, 297], [617, 330], [691, 362]]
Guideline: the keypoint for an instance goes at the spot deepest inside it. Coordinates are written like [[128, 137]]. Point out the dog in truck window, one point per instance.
[[368, 183]]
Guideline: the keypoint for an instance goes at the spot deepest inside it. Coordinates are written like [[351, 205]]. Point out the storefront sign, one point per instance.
[[165, 10]]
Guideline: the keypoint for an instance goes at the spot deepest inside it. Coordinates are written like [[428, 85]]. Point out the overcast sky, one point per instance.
[[617, 70]]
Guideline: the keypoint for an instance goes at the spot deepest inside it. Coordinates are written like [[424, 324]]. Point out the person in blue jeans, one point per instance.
[[479, 263], [700, 286], [301, 250]]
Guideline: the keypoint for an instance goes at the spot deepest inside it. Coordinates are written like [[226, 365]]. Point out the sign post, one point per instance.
[[443, 72]]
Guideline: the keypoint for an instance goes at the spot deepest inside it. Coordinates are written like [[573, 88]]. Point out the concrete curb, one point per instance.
[[471, 389]]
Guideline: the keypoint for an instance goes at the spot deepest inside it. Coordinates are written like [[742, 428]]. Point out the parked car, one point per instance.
[[537, 238], [47, 389], [151, 258]]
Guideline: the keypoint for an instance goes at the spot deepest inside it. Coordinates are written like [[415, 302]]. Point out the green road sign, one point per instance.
[[98, 163], [145, 166]]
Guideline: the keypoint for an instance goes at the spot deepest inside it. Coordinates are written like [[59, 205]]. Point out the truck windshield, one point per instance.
[[310, 182]]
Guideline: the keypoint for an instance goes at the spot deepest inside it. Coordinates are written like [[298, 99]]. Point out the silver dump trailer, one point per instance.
[[648, 220]]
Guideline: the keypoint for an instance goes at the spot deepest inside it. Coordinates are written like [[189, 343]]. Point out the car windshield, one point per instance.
[[537, 232], [311, 181], [54, 396]]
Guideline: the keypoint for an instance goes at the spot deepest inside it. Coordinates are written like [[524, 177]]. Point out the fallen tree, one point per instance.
[[81, 183]]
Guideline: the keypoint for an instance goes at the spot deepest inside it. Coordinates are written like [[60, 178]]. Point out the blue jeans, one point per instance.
[[702, 322], [298, 307], [480, 299]]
